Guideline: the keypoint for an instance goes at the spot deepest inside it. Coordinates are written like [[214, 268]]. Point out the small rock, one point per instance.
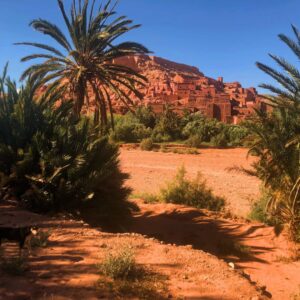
[[231, 265]]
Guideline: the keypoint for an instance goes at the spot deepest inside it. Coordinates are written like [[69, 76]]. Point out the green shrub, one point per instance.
[[145, 116], [220, 140], [259, 209], [127, 280], [147, 144], [194, 141], [192, 193], [51, 160], [129, 129], [236, 135], [168, 126], [202, 127], [120, 265]]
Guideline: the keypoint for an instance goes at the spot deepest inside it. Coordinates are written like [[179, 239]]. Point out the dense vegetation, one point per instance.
[[277, 143], [51, 160], [195, 129], [83, 60]]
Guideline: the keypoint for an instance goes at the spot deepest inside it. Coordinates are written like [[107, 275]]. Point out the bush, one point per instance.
[[129, 130], [168, 127], [127, 280], [236, 135], [120, 265], [52, 161], [147, 144], [194, 141], [259, 210], [192, 193], [145, 116], [220, 140], [202, 127]]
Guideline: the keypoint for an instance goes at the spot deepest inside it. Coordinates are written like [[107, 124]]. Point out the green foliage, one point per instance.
[[85, 59], [167, 127], [147, 144], [278, 164], [194, 141], [129, 129], [236, 135], [146, 197], [202, 127], [259, 210], [127, 280], [192, 193], [51, 160], [276, 140], [120, 265], [145, 116], [220, 140]]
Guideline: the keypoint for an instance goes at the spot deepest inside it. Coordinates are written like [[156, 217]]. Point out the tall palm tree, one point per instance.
[[86, 57], [277, 137]]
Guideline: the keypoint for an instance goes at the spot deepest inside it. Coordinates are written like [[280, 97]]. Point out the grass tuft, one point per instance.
[[146, 197], [124, 278]]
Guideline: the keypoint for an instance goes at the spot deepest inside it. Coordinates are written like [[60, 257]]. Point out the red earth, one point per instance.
[[202, 255], [150, 170]]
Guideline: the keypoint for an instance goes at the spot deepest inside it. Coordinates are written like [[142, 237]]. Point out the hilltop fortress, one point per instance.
[[184, 87]]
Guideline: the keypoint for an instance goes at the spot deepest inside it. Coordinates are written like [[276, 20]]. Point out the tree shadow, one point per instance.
[[193, 227]]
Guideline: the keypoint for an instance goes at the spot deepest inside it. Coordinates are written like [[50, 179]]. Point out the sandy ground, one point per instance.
[[150, 170], [66, 268], [265, 259], [190, 248]]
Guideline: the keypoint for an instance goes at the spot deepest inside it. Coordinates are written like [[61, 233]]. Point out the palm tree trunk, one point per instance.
[[102, 108]]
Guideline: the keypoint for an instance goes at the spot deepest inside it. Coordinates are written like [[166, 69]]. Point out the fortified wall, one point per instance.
[[184, 87]]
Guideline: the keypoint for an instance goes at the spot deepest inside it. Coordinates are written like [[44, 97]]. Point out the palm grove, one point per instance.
[[53, 158]]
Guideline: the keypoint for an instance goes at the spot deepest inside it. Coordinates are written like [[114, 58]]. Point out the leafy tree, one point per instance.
[[85, 59], [129, 129], [167, 127], [145, 116]]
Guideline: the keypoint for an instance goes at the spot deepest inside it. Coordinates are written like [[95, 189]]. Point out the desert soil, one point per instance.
[[190, 248], [150, 170], [66, 268]]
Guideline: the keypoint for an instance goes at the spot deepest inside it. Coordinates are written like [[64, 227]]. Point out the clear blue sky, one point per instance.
[[221, 38]]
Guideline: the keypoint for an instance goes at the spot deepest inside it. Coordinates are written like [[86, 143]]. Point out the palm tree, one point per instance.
[[86, 57], [287, 94], [277, 138]]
